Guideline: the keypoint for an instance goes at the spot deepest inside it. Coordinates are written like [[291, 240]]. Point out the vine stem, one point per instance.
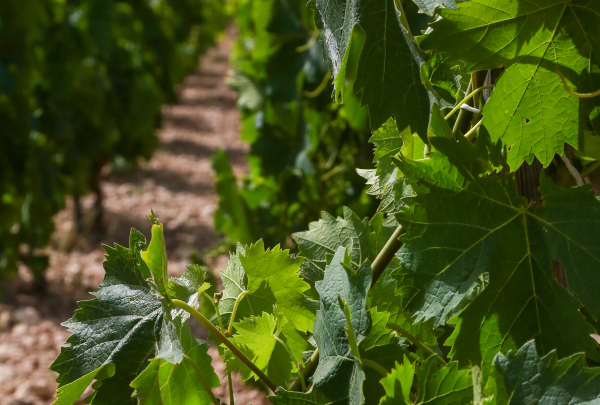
[[234, 312], [416, 342], [378, 266], [229, 382], [223, 339], [462, 115], [476, 96], [467, 98], [320, 88], [574, 93], [375, 366], [472, 131], [574, 172], [214, 399]]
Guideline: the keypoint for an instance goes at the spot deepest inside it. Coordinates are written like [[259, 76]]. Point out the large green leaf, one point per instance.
[[267, 278], [339, 377], [524, 378], [529, 109], [387, 182], [460, 233], [429, 6], [435, 384], [388, 71], [323, 238], [119, 328], [272, 344], [163, 382]]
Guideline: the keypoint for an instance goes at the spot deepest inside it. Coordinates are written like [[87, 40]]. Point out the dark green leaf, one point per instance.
[[524, 378], [472, 226], [389, 63]]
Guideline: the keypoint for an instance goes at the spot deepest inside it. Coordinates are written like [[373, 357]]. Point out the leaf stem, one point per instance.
[[322, 86], [229, 382], [476, 95], [310, 43], [378, 266], [421, 345], [375, 366], [574, 93], [386, 254], [462, 115], [223, 339], [234, 312], [472, 131], [467, 98], [214, 399], [307, 371], [403, 19], [574, 172], [590, 168], [230, 388]]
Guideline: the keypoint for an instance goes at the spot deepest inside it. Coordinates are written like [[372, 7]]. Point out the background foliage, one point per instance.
[[82, 84], [303, 147]]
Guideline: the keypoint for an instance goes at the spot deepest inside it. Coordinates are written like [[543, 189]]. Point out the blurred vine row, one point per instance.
[[303, 146], [81, 86]]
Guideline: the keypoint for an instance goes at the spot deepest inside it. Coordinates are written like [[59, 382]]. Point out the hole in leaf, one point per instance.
[[527, 121]]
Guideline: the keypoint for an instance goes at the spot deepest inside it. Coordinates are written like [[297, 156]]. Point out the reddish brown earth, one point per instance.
[[178, 183]]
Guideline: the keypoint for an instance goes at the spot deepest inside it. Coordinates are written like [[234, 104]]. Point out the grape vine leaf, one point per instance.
[[339, 377], [233, 285], [388, 65], [429, 6], [529, 109], [116, 331], [386, 181], [524, 378], [386, 355], [461, 232], [397, 384], [156, 257], [187, 288], [323, 238], [163, 382], [435, 384], [272, 344], [267, 278]]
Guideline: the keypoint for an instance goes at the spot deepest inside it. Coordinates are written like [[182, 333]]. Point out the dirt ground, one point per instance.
[[178, 183]]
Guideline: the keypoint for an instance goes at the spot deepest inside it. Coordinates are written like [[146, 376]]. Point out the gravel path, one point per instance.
[[178, 183]]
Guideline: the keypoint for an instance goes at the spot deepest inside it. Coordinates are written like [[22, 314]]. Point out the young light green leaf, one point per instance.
[[274, 279], [163, 382], [389, 63], [397, 384], [156, 258], [274, 345], [339, 376], [443, 385], [453, 243], [529, 109], [524, 378]]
